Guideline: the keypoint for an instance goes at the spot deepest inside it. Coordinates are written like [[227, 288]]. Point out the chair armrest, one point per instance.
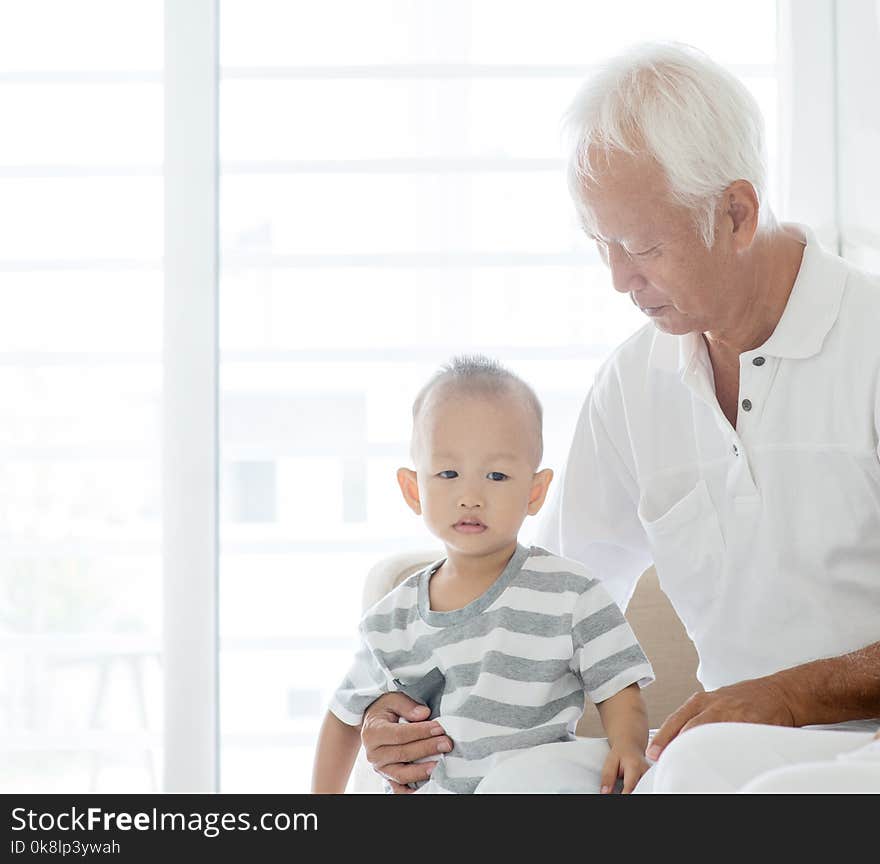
[[391, 571], [382, 578]]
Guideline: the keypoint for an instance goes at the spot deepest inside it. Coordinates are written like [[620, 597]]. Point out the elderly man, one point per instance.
[[733, 441]]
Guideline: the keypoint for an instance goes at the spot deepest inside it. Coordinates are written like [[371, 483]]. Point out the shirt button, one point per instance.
[[747, 405], [758, 361], [735, 450]]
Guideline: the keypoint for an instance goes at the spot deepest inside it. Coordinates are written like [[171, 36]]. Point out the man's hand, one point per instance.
[[627, 763], [757, 701], [391, 746]]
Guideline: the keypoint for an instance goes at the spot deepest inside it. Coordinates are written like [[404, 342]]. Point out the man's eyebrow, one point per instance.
[[606, 241], [624, 241]]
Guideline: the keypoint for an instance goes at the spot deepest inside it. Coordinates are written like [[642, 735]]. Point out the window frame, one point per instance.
[[190, 460]]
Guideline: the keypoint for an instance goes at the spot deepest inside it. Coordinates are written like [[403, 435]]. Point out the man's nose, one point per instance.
[[625, 276]]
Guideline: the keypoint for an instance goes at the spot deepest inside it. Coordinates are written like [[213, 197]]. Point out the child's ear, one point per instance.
[[540, 485], [409, 486]]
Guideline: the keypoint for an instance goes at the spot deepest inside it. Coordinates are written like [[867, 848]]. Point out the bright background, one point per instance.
[[390, 193]]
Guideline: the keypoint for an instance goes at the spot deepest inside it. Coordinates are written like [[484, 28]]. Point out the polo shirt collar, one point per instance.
[[813, 305], [809, 315]]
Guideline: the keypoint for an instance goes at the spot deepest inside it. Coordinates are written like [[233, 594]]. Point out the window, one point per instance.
[[392, 193], [81, 378]]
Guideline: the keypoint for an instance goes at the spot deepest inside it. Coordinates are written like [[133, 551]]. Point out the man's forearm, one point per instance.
[[834, 689]]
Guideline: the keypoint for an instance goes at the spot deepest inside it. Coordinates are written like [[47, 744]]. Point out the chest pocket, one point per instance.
[[687, 547]]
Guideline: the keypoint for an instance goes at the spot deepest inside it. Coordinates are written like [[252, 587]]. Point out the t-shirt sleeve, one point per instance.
[[363, 684], [607, 656], [592, 512]]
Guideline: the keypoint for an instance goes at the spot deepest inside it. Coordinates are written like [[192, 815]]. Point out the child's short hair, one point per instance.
[[476, 373]]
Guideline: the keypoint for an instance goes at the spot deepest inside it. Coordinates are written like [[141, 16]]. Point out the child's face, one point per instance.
[[475, 478]]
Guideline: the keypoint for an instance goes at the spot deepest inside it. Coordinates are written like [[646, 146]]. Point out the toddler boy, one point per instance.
[[502, 641]]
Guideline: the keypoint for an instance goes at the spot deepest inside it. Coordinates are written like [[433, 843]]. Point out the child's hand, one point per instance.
[[627, 763]]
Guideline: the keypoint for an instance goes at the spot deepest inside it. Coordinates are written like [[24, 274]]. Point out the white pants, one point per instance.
[[567, 766], [744, 757], [721, 757]]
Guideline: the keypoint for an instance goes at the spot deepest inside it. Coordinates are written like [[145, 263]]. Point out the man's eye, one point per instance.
[[496, 475], [448, 475]]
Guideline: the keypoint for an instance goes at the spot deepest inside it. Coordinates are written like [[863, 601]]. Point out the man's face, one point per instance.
[[475, 466], [653, 249]]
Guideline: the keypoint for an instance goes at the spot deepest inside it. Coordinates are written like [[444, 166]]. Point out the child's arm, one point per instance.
[[338, 745], [626, 724]]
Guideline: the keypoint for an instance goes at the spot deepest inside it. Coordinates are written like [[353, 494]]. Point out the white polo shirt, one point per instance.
[[766, 538]]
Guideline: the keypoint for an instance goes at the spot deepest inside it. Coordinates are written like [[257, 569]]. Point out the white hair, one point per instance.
[[673, 103]]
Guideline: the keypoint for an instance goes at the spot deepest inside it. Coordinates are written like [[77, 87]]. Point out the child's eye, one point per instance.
[[448, 475], [497, 475]]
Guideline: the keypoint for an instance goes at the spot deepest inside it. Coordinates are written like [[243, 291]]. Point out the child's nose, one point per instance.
[[469, 499]]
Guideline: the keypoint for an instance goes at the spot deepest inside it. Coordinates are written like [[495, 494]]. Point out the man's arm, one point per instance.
[[391, 746], [832, 690]]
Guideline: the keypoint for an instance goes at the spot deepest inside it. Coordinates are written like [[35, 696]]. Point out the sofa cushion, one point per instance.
[[650, 614], [670, 650]]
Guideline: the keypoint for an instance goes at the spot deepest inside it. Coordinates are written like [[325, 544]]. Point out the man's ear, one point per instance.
[[409, 486], [540, 485], [742, 209]]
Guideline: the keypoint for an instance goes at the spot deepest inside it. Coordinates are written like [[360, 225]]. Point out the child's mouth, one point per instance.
[[469, 526]]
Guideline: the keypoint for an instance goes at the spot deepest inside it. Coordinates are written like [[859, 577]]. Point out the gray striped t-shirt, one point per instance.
[[517, 660]]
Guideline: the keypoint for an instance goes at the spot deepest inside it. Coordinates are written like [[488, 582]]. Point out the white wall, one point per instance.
[[858, 129]]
